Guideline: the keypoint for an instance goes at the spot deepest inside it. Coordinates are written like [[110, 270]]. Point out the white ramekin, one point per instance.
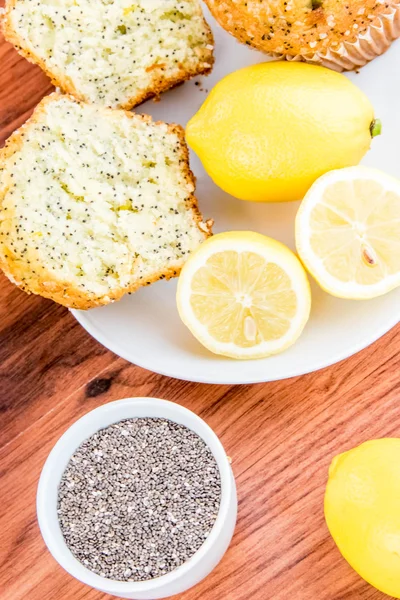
[[185, 576]]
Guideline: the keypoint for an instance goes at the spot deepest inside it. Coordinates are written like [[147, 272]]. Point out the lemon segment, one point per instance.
[[244, 295], [362, 502], [348, 232]]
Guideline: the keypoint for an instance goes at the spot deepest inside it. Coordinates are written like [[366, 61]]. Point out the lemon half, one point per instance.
[[348, 232], [244, 295]]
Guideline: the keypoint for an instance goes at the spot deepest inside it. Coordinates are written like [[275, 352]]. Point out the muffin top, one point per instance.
[[300, 27]]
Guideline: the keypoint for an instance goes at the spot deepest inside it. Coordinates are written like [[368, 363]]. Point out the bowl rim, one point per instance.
[[72, 438]]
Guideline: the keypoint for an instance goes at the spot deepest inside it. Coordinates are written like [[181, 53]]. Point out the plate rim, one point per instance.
[[361, 339], [93, 331]]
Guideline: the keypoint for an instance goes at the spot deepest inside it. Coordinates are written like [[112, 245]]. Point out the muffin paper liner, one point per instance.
[[352, 55]]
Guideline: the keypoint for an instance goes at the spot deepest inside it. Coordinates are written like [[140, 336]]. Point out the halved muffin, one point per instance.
[[112, 52], [339, 35], [95, 203]]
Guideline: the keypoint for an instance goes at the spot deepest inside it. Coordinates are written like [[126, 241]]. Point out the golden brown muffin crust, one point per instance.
[[310, 29]]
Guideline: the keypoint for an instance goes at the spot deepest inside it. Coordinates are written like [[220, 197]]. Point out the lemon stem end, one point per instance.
[[375, 128]]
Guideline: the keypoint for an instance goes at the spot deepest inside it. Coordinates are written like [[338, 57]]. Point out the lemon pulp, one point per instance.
[[244, 302], [348, 232]]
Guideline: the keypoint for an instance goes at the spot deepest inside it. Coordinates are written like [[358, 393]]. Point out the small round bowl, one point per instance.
[[183, 577]]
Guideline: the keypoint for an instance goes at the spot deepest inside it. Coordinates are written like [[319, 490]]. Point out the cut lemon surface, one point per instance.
[[348, 232], [244, 295]]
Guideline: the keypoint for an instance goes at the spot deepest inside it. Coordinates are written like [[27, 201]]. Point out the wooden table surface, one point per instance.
[[281, 436]]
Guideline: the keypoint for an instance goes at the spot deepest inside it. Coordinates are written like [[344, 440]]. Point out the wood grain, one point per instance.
[[280, 435]]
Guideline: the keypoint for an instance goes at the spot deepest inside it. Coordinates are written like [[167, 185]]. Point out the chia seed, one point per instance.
[[138, 499]]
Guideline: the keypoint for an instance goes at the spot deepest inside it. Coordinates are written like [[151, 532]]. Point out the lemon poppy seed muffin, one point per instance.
[[112, 52], [95, 203], [339, 35]]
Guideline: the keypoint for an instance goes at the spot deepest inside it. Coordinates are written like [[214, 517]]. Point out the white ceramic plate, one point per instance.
[[145, 328]]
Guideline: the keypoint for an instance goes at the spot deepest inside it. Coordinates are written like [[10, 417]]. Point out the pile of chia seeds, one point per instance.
[[138, 499]]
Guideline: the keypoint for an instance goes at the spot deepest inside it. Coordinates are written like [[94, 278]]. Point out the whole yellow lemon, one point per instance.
[[267, 132], [362, 511]]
